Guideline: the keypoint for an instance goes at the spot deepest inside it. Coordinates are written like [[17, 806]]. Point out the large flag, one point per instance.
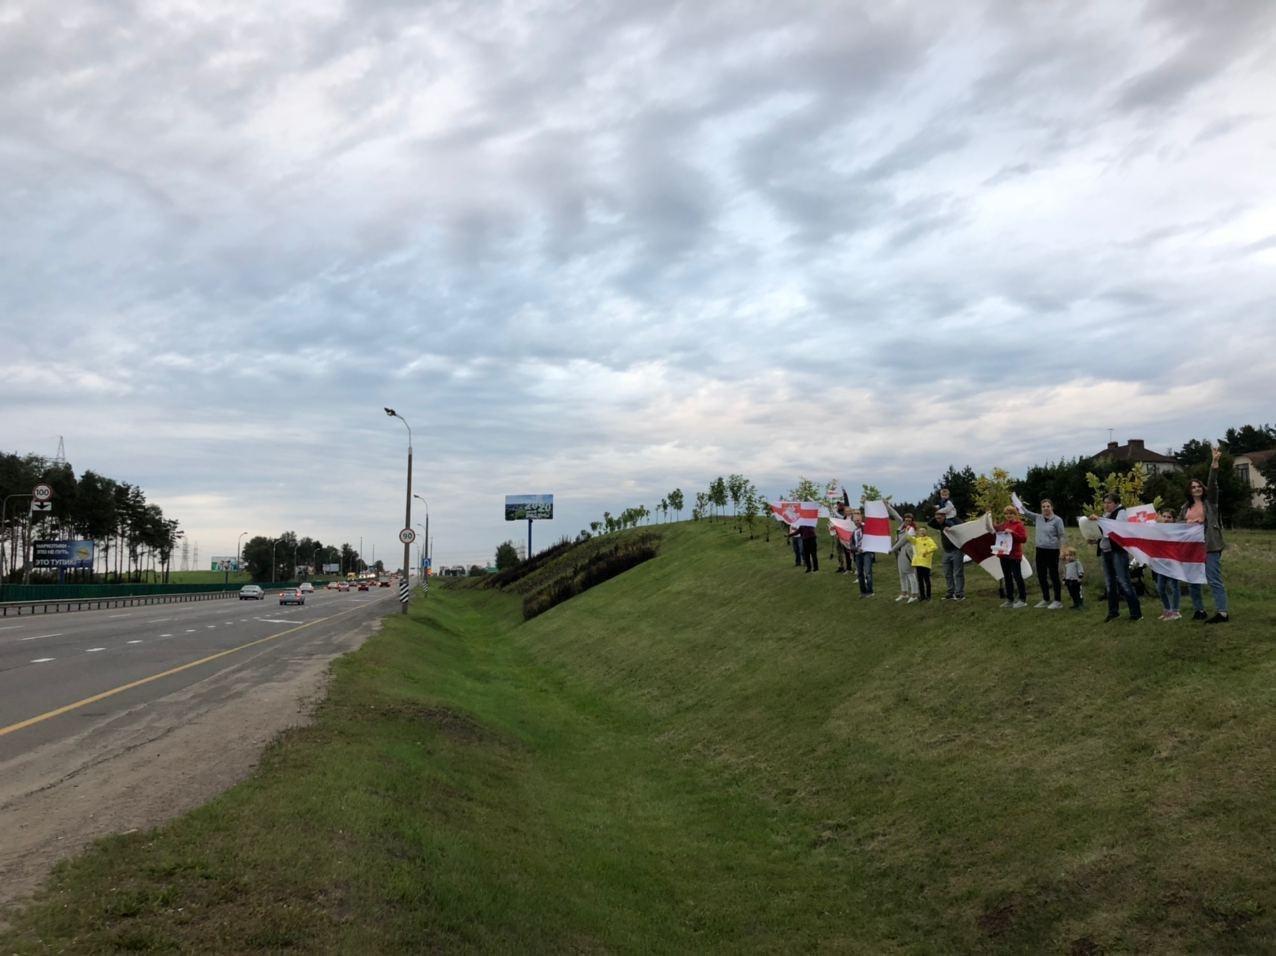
[[976, 538], [877, 527], [1174, 550]]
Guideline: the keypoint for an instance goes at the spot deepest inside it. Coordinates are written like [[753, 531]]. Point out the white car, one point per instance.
[[251, 592], [306, 588]]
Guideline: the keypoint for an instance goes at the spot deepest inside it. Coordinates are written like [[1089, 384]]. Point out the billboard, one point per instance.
[[528, 507], [227, 563], [62, 554], [332, 569]]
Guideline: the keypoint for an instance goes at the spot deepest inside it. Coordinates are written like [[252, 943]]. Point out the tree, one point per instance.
[[702, 503], [736, 485], [870, 493], [992, 493], [751, 503], [594, 526], [506, 556], [1127, 486], [663, 508], [676, 501], [805, 491], [1248, 438], [718, 493]]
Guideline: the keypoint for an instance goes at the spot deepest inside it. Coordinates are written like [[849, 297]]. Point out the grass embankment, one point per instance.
[[715, 751]]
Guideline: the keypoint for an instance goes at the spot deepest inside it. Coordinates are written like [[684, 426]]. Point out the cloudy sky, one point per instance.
[[606, 249]]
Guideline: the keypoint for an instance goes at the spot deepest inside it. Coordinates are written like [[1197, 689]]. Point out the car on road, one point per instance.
[[292, 596], [251, 592], [385, 583], [363, 585], [343, 586], [306, 588], [332, 586]]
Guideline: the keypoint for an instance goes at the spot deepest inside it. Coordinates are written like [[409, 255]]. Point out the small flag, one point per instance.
[[1014, 500]]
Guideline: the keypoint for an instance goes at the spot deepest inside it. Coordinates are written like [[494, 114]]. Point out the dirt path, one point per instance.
[[156, 761]]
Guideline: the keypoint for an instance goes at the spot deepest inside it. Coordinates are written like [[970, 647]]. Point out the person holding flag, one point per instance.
[[1011, 534], [1202, 508], [945, 516], [1116, 565]]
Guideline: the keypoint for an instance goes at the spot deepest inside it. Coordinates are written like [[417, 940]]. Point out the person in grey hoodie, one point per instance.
[[1050, 539]]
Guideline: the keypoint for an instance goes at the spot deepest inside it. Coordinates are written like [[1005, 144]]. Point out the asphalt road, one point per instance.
[[59, 673]]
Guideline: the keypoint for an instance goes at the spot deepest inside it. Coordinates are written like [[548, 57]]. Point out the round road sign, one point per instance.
[[42, 492], [407, 535]]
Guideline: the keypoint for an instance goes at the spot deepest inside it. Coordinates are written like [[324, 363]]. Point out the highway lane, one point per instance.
[[50, 663]]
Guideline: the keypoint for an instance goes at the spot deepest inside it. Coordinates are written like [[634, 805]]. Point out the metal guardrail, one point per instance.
[[19, 608]]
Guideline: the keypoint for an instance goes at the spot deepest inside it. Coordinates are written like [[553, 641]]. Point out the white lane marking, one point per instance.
[[166, 635], [211, 627], [9, 627], [37, 637], [190, 630], [94, 650], [43, 660], [133, 642], [158, 620], [274, 620], [118, 615]]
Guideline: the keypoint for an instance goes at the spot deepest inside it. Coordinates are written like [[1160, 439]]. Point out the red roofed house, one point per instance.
[[1154, 463]]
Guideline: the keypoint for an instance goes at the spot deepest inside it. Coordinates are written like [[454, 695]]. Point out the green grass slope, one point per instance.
[[717, 752]]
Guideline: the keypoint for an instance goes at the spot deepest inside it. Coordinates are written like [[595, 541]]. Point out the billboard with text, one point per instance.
[[231, 563], [62, 554], [529, 507]]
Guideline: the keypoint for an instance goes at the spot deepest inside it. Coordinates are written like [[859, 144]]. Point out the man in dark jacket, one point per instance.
[[954, 566]]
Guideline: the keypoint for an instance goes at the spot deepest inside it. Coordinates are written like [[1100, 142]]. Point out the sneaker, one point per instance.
[[911, 600], [902, 597], [1020, 604], [1005, 604], [870, 594], [1042, 603], [1218, 619], [1111, 617], [1174, 616], [1055, 606], [1135, 620], [1076, 607], [1165, 616], [949, 597], [960, 597], [1198, 615]]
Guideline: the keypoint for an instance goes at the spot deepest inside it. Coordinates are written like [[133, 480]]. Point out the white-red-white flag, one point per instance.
[[976, 538], [844, 528], [808, 514], [1015, 500], [877, 528], [1174, 550], [786, 511], [1140, 513]]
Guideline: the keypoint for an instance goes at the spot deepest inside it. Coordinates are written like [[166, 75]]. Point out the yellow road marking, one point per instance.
[[40, 718]]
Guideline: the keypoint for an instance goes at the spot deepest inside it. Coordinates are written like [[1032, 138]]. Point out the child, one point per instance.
[[1166, 586], [924, 549], [1011, 567], [1073, 575]]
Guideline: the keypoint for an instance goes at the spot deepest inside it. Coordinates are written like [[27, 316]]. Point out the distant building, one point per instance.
[[1133, 452], [1248, 468]]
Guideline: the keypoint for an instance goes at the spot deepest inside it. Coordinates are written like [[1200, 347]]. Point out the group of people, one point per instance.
[[1058, 565]]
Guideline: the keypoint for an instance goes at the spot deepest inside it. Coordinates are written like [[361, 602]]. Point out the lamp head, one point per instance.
[[390, 412]]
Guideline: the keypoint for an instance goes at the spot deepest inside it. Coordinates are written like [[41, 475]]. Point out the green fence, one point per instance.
[[77, 592]]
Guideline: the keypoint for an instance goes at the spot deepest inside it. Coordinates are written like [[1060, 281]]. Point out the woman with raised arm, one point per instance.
[[1202, 508]]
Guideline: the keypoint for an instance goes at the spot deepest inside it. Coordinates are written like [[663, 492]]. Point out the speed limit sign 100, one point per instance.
[[42, 492], [407, 535]]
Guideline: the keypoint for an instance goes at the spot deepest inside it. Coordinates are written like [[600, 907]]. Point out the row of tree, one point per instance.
[[132, 535], [289, 557]]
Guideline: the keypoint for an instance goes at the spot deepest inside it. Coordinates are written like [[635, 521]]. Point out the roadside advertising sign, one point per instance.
[[331, 568], [529, 507], [230, 563], [62, 554]]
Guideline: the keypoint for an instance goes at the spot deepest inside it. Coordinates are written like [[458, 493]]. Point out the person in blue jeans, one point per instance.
[[1202, 508], [863, 559], [1116, 566]]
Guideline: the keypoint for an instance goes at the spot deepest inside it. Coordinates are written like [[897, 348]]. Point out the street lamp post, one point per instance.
[[274, 542], [407, 506], [239, 549]]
